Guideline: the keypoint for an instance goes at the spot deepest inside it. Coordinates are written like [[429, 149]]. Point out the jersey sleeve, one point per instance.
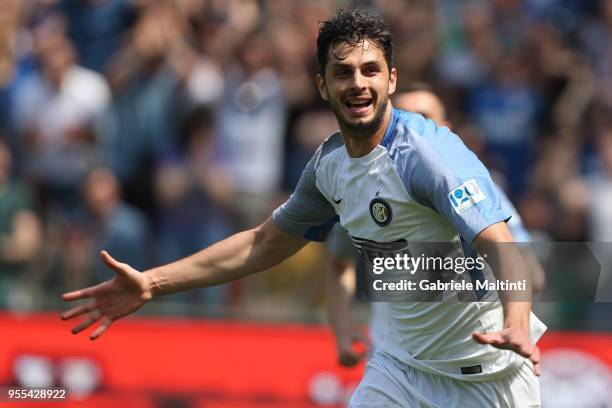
[[306, 213], [440, 172], [515, 225]]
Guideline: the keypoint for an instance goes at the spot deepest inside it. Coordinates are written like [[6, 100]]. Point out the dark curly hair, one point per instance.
[[352, 27]]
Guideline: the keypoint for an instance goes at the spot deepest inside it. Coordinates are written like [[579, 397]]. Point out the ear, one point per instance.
[[322, 88], [392, 81]]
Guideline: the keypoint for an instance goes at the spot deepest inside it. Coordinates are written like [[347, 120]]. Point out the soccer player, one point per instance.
[[419, 98], [386, 175]]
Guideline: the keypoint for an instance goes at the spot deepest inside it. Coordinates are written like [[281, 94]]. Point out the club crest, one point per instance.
[[381, 213]]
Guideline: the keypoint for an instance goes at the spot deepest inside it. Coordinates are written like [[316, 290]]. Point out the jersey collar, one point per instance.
[[390, 134]]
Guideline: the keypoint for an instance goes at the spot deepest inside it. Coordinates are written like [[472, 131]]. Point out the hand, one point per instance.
[[348, 355], [514, 339], [110, 300]]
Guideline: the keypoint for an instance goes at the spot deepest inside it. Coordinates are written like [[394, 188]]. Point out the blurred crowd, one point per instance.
[[152, 128]]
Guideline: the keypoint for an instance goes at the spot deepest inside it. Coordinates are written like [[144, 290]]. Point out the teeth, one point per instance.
[[358, 104]]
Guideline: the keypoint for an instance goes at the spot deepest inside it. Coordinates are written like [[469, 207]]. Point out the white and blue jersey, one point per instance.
[[421, 184]]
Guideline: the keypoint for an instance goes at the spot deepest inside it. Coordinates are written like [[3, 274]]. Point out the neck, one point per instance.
[[359, 145]]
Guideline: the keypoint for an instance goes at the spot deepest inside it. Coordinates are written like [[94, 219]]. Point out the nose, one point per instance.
[[358, 81]]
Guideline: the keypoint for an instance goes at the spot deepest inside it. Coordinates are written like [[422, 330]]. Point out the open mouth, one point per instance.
[[360, 105]]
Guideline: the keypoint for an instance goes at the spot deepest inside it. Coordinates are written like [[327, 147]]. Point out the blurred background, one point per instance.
[[153, 128]]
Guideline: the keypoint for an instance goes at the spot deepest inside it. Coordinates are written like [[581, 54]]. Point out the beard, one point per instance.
[[363, 129]]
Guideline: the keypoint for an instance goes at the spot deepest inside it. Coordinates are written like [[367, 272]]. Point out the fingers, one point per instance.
[[529, 350], [350, 358], [79, 310], [352, 349], [118, 267], [106, 323], [535, 359], [80, 294], [490, 338], [93, 317], [507, 340], [521, 345], [525, 348]]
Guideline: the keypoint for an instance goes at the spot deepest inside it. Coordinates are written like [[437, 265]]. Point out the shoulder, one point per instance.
[[331, 144], [319, 163], [420, 141], [414, 133]]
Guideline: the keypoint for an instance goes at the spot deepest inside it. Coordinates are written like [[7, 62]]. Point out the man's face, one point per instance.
[[357, 84], [423, 102]]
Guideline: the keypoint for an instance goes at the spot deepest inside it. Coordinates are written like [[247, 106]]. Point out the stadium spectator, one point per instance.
[[55, 112], [96, 27], [143, 73], [111, 223], [251, 126], [507, 110], [309, 130], [21, 238]]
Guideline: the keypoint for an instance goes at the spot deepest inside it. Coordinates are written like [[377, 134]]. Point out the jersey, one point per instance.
[[340, 245], [420, 184]]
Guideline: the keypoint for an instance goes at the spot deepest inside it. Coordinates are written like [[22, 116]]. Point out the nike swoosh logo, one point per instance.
[[336, 201]]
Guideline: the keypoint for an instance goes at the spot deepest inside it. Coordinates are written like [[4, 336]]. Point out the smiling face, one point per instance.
[[357, 84]]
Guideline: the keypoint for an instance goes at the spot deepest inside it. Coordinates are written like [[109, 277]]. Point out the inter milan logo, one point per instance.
[[380, 210]]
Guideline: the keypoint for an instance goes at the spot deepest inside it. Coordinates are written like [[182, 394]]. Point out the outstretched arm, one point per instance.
[[240, 255]]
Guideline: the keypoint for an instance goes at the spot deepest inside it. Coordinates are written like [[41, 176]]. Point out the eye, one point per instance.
[[371, 70], [342, 73]]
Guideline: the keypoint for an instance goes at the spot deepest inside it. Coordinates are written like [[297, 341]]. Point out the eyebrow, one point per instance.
[[339, 64]]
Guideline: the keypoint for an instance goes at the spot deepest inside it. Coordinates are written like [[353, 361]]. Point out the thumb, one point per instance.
[[118, 267]]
